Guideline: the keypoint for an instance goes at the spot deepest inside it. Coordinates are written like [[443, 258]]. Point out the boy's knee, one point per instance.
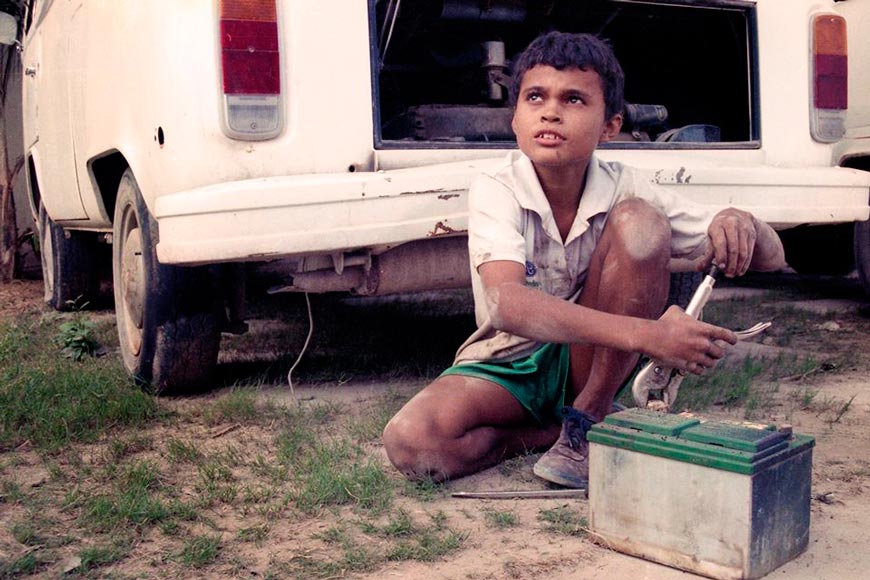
[[641, 228], [403, 439]]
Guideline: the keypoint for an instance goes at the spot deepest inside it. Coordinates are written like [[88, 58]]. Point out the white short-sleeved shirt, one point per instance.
[[510, 219]]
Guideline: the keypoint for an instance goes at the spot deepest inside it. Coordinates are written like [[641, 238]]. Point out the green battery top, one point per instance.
[[717, 444]]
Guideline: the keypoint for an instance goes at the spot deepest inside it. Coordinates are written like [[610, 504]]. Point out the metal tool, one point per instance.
[[656, 385], [522, 494]]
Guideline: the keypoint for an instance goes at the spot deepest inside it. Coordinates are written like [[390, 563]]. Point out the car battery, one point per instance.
[[720, 499]]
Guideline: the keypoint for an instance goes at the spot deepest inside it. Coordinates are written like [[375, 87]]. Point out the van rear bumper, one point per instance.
[[783, 197], [280, 217]]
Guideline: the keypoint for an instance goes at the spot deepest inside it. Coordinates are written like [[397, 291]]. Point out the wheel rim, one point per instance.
[[47, 258], [132, 283]]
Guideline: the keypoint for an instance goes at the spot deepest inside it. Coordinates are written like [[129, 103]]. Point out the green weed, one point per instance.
[[76, 339]]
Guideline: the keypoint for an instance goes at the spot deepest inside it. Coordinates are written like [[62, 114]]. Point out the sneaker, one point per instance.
[[567, 463]]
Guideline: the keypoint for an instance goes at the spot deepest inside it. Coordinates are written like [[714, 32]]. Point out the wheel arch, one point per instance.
[[32, 180], [106, 171], [861, 162]]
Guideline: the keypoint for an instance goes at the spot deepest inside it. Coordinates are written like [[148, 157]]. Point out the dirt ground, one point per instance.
[[840, 506]]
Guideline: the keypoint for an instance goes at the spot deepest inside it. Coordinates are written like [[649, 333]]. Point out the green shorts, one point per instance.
[[539, 381]]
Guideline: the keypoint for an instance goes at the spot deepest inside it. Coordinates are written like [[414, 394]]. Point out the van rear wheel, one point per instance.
[[862, 253], [70, 276], [168, 316]]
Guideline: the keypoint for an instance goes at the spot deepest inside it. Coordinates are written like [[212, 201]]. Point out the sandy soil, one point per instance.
[[839, 534], [840, 505]]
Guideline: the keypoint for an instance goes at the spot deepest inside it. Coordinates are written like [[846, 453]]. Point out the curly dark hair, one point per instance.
[[562, 50]]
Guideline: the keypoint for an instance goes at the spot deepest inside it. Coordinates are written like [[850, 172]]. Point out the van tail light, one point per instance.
[[829, 75], [250, 68]]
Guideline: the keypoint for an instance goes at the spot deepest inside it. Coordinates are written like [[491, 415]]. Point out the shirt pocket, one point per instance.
[[555, 281], [546, 267]]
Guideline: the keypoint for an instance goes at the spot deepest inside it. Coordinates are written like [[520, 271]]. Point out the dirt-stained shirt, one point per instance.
[[510, 219]]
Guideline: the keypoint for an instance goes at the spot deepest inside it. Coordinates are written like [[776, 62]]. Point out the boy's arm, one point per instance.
[[740, 242], [675, 339]]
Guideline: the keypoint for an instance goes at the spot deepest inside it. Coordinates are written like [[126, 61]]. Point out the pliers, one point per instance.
[[656, 385]]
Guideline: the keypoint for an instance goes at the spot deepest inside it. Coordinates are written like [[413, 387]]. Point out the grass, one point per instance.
[[563, 520], [98, 556], [333, 473], [132, 503], [182, 451], [831, 409], [369, 425], [239, 405], [424, 490], [25, 533], [501, 519], [198, 551], [728, 387], [27, 564], [255, 534], [52, 401]]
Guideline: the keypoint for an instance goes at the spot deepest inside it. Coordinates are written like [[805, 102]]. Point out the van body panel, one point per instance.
[[144, 79]]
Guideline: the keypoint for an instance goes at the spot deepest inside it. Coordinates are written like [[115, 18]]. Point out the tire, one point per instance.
[[168, 316], [862, 253], [70, 272], [683, 285], [820, 249]]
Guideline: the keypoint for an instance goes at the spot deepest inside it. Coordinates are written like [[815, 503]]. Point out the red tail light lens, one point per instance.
[[831, 62], [830, 79], [251, 67]]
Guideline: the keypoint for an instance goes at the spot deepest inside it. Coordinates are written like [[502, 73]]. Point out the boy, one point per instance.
[[570, 274]]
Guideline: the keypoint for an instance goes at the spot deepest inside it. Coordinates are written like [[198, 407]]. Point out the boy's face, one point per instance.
[[560, 116]]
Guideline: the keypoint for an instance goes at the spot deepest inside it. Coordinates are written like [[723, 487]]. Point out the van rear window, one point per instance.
[[438, 67]]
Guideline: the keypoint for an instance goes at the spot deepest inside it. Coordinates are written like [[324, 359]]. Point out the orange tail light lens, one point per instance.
[[830, 78]]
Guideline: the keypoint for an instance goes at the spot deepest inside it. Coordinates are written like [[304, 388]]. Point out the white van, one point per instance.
[[327, 145]]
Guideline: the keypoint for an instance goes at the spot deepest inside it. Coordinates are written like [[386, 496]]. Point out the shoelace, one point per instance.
[[577, 423]]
